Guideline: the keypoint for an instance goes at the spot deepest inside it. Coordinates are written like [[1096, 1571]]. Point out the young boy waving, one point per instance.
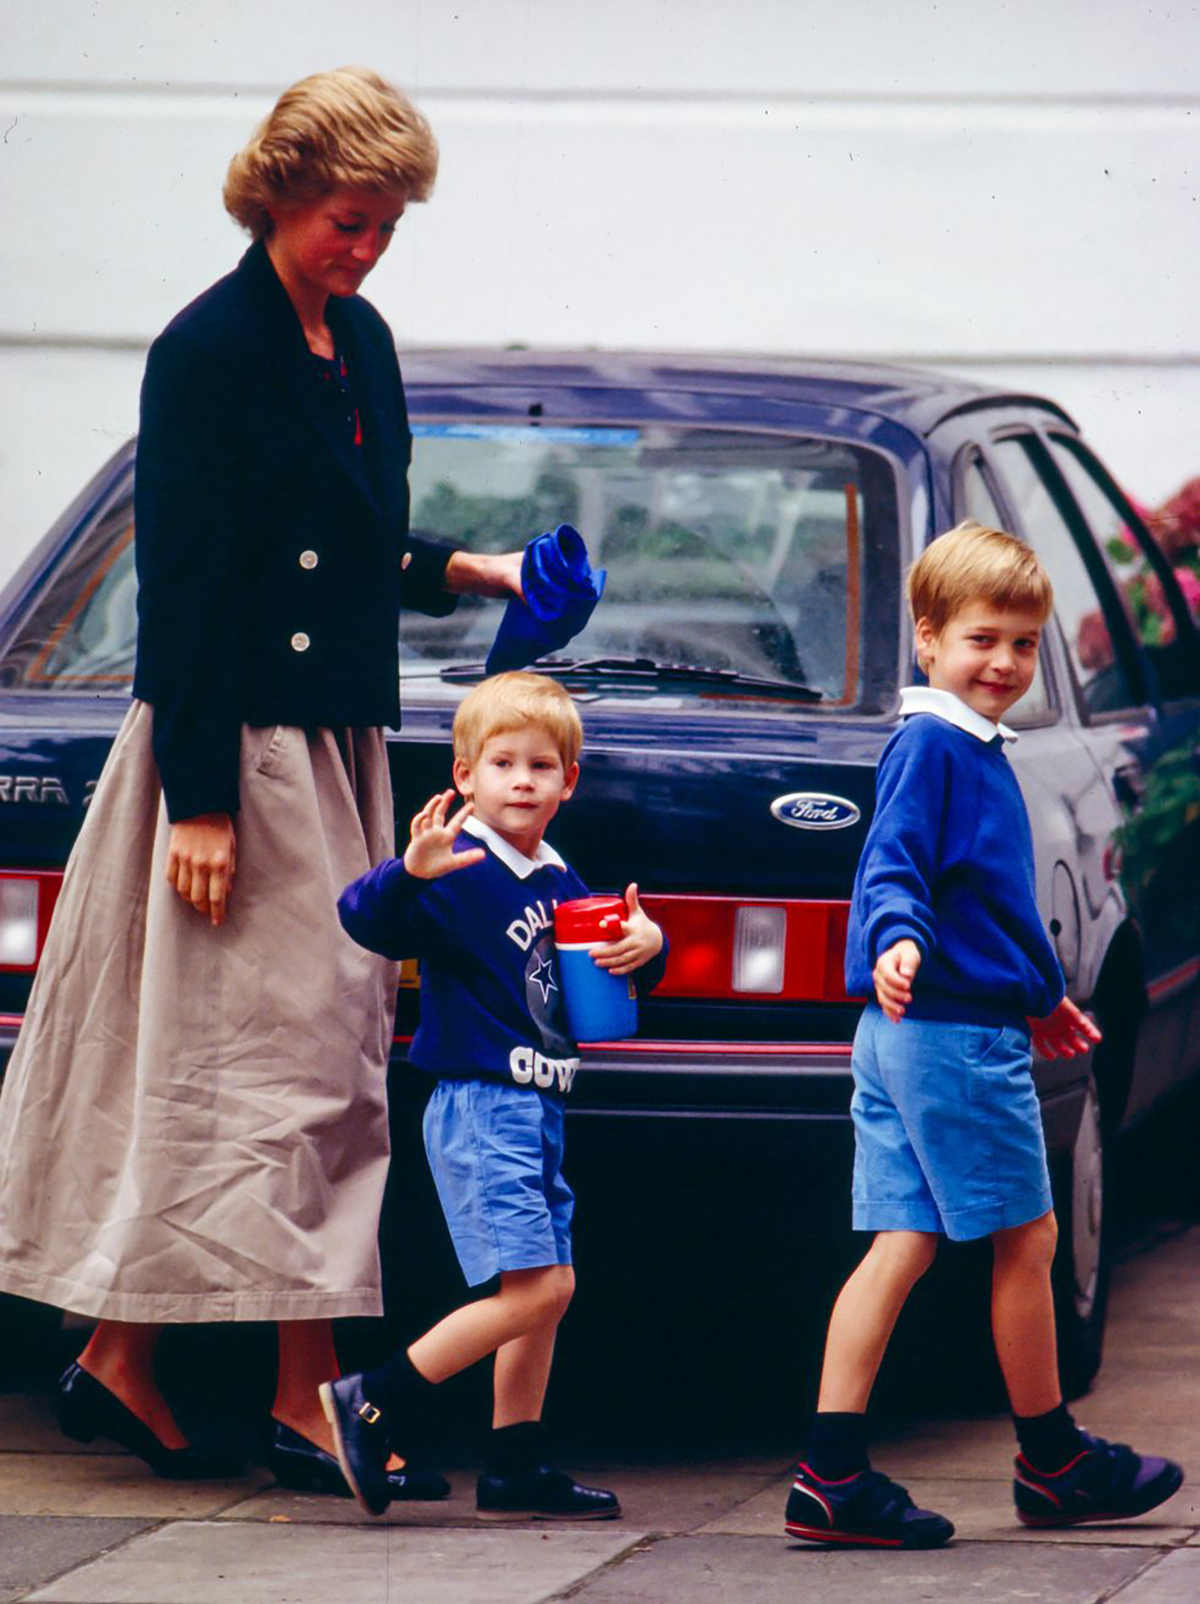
[[944, 930], [473, 897]]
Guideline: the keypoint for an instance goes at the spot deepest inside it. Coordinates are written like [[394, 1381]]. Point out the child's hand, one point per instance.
[[893, 974], [1065, 1033], [430, 852], [642, 940]]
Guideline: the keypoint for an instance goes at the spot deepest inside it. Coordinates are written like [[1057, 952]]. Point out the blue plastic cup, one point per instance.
[[600, 1006]]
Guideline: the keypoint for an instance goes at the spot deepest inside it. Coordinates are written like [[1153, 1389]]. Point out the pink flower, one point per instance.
[[1189, 584], [1093, 642]]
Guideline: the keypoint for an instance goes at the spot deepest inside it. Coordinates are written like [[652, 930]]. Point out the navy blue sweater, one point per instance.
[[491, 1001], [948, 862]]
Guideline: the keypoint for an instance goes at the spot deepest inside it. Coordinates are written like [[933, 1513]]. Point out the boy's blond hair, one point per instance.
[[513, 702], [972, 563], [346, 127]]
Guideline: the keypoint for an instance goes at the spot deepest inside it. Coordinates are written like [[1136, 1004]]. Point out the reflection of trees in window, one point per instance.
[[650, 560], [82, 635], [499, 523]]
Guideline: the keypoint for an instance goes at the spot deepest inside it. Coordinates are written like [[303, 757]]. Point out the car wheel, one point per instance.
[[1081, 1265]]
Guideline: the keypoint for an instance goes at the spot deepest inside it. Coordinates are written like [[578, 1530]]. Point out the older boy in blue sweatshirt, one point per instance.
[[473, 897], [944, 930]]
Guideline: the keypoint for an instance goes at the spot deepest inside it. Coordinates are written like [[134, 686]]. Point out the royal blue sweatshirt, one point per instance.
[[948, 862], [491, 999]]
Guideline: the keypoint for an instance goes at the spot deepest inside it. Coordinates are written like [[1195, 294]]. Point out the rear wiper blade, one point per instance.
[[647, 671]]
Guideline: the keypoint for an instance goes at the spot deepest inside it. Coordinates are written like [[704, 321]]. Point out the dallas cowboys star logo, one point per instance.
[[543, 978]]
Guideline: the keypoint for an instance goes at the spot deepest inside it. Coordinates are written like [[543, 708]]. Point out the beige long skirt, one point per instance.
[[193, 1125]]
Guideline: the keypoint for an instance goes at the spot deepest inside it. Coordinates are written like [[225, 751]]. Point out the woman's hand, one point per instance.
[[893, 974], [200, 862], [478, 573], [430, 852], [641, 941], [1066, 1033]]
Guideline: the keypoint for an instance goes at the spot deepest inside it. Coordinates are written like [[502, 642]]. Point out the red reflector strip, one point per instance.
[[701, 933], [49, 884]]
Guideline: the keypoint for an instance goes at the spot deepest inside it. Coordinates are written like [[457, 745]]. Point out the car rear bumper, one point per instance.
[[714, 1099]]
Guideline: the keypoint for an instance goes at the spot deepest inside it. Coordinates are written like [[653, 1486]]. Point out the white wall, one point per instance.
[[1007, 190]]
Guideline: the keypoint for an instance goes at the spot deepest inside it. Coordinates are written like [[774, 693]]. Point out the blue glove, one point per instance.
[[561, 591]]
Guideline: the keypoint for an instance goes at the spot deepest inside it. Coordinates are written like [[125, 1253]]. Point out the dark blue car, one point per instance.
[[737, 686]]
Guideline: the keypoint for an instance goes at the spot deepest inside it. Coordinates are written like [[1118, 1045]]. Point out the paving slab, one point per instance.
[[36, 1549], [28, 1425], [206, 1562], [656, 1498], [742, 1570], [1175, 1579], [110, 1484], [1138, 1400]]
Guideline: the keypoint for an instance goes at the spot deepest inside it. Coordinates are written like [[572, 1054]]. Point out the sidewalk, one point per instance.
[[84, 1527]]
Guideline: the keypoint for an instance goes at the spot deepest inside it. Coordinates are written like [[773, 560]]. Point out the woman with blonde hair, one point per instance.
[[194, 1122]]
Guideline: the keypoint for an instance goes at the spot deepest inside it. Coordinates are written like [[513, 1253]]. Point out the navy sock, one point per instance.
[[1048, 1441], [515, 1450], [403, 1394], [837, 1445]]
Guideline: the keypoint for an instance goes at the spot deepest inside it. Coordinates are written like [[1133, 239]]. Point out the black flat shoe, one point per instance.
[[87, 1409], [300, 1465], [542, 1493]]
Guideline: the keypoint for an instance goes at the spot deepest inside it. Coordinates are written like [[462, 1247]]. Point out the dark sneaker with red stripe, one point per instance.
[[863, 1511], [1105, 1481]]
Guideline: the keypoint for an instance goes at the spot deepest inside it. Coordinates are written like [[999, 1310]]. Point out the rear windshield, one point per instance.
[[768, 557]]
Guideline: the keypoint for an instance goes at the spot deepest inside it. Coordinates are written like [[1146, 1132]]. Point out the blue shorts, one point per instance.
[[496, 1156], [947, 1129]]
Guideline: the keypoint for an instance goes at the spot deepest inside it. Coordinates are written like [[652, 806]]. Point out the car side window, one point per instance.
[[1154, 607], [1092, 625], [974, 495], [974, 498]]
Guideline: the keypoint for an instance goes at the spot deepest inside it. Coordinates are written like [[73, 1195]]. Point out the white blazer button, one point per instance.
[[308, 559], [300, 641]]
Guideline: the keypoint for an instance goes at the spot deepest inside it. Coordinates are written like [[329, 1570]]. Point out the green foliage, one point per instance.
[[1170, 805], [499, 523]]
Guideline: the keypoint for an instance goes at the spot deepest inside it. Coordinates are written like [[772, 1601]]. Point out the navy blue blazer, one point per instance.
[[273, 554]]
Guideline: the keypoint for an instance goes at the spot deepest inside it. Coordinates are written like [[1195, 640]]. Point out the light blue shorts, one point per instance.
[[947, 1129], [496, 1156]]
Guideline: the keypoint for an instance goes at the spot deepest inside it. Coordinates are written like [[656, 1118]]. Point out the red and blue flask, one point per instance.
[[600, 1006]]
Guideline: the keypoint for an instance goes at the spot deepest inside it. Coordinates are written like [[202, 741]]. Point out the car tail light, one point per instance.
[[734, 947], [759, 949], [26, 903]]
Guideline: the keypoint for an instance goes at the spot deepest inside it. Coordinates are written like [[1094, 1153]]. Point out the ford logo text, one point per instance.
[[813, 810]]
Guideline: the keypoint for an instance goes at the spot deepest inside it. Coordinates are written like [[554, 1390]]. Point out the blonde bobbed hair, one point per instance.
[[348, 127], [972, 563], [514, 701]]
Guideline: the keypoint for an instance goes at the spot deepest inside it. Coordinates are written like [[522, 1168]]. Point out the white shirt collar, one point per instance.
[[520, 865], [944, 704]]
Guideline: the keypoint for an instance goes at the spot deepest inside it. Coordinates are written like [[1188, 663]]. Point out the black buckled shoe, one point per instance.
[[542, 1493], [866, 1510], [363, 1449], [298, 1464], [87, 1409]]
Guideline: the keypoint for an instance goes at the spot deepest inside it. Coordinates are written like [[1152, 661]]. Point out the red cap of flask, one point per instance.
[[588, 919]]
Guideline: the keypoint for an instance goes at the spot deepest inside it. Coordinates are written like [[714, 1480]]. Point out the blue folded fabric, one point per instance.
[[561, 591]]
